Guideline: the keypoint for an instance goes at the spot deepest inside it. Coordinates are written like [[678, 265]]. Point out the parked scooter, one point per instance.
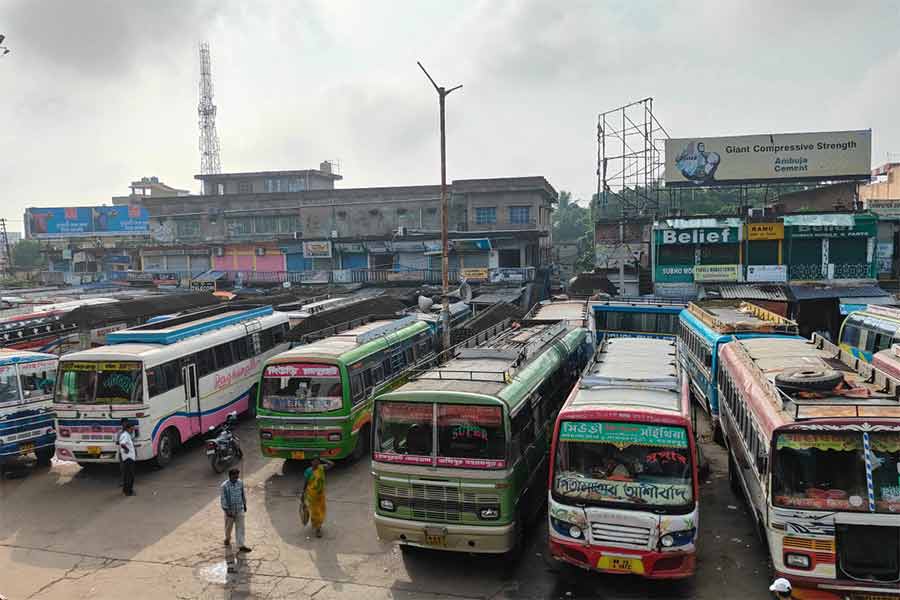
[[225, 448]]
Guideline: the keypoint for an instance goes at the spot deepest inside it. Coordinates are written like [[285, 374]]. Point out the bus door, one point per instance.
[[192, 398]]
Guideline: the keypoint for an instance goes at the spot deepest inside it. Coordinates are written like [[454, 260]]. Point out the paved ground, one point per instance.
[[68, 533]]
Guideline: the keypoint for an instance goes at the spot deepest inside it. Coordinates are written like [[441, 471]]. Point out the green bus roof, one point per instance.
[[493, 373], [354, 344]]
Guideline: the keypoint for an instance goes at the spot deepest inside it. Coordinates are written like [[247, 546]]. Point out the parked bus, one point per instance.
[[866, 332], [26, 405], [813, 437], [174, 379], [41, 327], [656, 318], [704, 326], [577, 313], [623, 481], [316, 399], [460, 455]]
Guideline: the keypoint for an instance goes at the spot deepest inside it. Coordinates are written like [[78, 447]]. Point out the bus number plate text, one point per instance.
[[26, 448], [298, 455], [619, 564], [93, 450], [435, 537]]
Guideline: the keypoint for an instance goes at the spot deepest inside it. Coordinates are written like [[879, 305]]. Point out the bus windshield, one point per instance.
[[99, 383], [468, 436], [630, 464], [827, 471], [298, 388]]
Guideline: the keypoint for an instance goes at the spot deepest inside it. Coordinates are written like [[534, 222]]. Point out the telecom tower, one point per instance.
[[206, 110]]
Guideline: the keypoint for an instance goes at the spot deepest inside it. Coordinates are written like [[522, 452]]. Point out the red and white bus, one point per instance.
[[813, 435], [623, 494]]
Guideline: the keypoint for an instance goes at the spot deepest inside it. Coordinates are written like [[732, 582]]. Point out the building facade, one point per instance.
[[297, 222], [882, 197]]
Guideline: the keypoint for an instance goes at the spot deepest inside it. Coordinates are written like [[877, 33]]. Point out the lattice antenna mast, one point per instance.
[[206, 110]]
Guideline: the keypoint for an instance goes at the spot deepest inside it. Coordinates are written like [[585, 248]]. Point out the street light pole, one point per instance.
[[445, 219]]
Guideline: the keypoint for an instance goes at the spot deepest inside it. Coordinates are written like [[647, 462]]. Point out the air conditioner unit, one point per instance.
[[220, 251], [756, 212], [334, 233], [298, 235], [260, 251], [401, 231]]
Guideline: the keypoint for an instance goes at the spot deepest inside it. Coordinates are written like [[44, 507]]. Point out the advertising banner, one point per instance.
[[765, 231], [701, 235], [674, 273], [86, 221], [885, 209], [321, 249], [480, 274], [711, 273], [769, 157], [767, 273]]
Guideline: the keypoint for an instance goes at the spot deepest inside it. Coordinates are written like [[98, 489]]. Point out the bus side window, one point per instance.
[[172, 371], [850, 334], [410, 356], [386, 366], [155, 381], [377, 374], [222, 353], [240, 349], [357, 390], [278, 333], [367, 378], [266, 341], [523, 431], [204, 359]]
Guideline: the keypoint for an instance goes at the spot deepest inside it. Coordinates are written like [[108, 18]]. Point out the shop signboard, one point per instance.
[[86, 221], [885, 209], [203, 286], [765, 231], [699, 235], [351, 248], [674, 273], [717, 273], [479, 274], [473, 245], [781, 157], [830, 226], [767, 273], [317, 249]]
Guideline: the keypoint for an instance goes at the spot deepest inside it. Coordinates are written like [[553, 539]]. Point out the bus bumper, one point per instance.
[[456, 538], [818, 588], [655, 565], [335, 453], [27, 446], [97, 452]]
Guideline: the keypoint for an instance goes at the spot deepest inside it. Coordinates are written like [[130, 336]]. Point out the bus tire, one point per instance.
[[733, 481], [168, 442], [362, 444], [44, 455]]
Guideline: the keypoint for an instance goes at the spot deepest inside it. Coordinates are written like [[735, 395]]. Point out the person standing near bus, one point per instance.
[[127, 456], [312, 502], [122, 425], [234, 504]]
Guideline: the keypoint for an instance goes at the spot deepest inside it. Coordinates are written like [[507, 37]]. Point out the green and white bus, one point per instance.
[[461, 451], [315, 400]]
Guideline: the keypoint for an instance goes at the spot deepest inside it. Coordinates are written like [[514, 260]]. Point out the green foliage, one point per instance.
[[572, 224], [26, 254]]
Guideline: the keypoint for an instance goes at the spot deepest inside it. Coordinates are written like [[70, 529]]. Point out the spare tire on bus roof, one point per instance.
[[818, 379]]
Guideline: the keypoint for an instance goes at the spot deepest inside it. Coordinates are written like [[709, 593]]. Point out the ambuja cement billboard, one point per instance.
[[781, 157]]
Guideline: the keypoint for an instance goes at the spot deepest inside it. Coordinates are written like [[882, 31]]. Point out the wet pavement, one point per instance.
[[68, 533]]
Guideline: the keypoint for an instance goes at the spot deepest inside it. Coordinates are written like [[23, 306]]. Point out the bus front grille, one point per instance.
[[437, 502], [620, 535]]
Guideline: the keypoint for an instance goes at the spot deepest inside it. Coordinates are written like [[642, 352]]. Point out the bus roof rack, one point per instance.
[[589, 380], [386, 329], [640, 300], [729, 316], [339, 328], [170, 331]]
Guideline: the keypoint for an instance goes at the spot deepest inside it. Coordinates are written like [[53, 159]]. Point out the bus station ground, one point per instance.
[[68, 533]]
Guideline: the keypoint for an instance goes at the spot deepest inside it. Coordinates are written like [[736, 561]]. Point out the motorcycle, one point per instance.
[[225, 448]]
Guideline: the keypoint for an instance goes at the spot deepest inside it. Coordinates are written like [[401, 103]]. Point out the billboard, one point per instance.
[[781, 157], [317, 249], [86, 221]]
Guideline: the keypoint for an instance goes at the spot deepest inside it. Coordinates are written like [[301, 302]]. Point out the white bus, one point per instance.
[[174, 379]]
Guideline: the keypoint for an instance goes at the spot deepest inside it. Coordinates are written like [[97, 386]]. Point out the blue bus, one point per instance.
[[26, 404], [639, 317], [704, 326]]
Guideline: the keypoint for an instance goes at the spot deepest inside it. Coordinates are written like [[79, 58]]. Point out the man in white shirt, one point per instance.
[[127, 455]]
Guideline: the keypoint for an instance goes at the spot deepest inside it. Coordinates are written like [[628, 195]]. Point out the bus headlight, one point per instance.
[[566, 529], [575, 532], [489, 514], [675, 539], [387, 505], [798, 561], [667, 541], [334, 437]]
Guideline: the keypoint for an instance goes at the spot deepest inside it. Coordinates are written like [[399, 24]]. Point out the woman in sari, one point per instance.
[[312, 504]]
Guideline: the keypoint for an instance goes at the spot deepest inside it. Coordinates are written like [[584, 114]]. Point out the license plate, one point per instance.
[[94, 450], [618, 564], [298, 454], [436, 537], [26, 448]]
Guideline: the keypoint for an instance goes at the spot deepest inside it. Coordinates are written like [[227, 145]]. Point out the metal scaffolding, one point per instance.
[[630, 160]]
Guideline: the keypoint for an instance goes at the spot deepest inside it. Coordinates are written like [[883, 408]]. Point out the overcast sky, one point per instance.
[[98, 93]]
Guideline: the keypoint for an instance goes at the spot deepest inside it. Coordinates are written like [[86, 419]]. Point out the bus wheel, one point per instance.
[[44, 455], [166, 448], [362, 444], [733, 481]]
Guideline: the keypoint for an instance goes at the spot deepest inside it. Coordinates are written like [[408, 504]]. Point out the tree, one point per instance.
[[26, 254], [572, 224]]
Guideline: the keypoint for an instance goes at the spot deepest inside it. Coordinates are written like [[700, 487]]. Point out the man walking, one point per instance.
[[234, 504], [127, 456]]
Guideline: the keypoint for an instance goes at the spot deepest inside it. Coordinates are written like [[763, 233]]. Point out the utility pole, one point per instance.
[[4, 240], [445, 243]]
